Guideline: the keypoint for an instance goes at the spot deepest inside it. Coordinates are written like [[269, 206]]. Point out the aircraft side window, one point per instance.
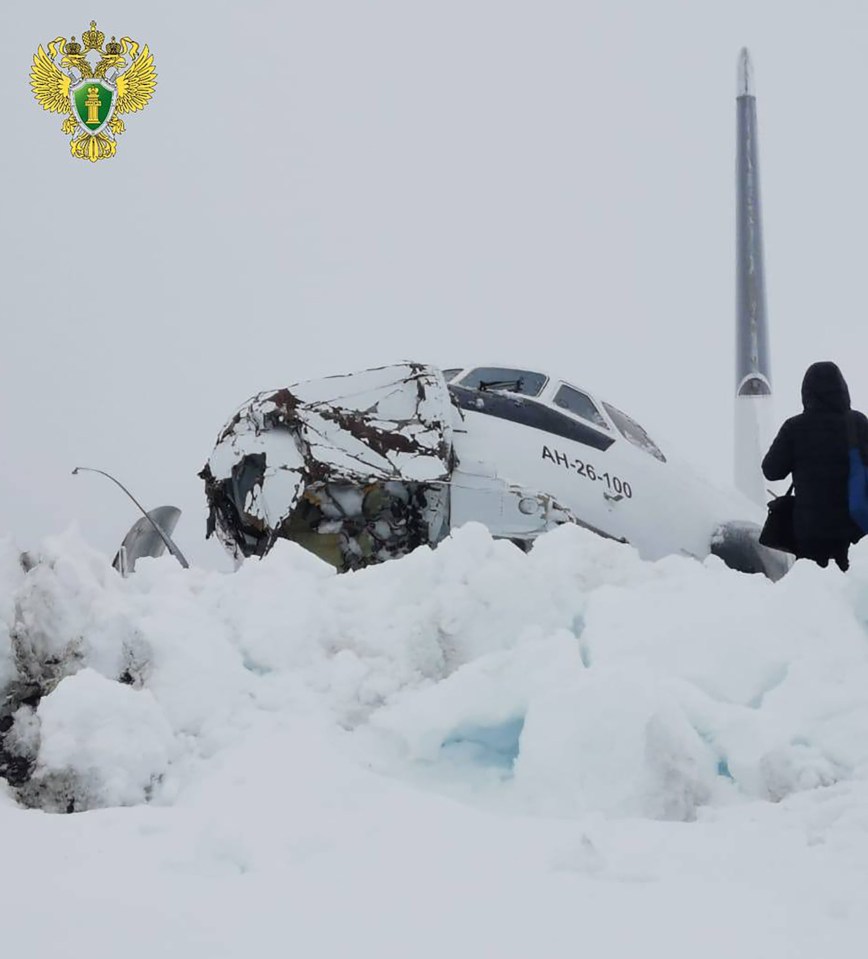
[[500, 378], [633, 432], [581, 404]]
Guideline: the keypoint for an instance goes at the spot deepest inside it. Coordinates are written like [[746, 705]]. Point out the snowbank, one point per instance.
[[100, 743], [288, 746], [574, 679]]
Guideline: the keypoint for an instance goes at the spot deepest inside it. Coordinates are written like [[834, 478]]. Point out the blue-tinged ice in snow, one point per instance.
[[495, 746]]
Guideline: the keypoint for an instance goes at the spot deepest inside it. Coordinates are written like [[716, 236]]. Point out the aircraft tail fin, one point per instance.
[[753, 388]]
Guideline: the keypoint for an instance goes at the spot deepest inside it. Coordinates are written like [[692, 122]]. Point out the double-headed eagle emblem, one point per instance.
[[93, 84]]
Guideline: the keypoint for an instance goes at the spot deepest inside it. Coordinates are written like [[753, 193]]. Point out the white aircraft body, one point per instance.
[[594, 459], [367, 466]]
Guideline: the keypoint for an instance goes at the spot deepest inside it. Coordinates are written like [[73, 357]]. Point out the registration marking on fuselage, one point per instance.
[[615, 484]]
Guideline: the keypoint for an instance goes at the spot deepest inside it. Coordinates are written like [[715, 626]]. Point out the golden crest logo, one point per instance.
[[93, 84]]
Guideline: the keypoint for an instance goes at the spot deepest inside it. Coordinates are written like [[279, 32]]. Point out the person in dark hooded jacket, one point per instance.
[[814, 447]]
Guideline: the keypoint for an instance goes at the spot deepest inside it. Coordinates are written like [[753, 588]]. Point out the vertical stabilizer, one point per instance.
[[753, 388]]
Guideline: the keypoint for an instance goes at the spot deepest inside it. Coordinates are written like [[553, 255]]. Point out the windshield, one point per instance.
[[503, 378], [569, 398], [633, 432]]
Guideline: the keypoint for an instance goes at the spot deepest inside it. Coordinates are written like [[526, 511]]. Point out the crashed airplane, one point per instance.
[[366, 467]]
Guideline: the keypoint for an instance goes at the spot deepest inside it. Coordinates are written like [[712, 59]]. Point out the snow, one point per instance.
[[469, 751], [87, 724]]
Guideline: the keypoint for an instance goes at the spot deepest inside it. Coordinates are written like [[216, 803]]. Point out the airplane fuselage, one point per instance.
[[628, 490], [366, 466]]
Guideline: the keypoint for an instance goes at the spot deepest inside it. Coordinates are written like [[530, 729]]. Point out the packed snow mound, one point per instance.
[[571, 680], [86, 727]]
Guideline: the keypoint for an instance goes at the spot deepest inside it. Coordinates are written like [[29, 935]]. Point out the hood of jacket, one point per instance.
[[824, 388]]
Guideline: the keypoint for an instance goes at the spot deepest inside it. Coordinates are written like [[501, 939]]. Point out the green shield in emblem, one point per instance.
[[93, 102]]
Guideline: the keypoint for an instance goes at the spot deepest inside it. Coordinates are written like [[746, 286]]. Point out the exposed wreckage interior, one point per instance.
[[329, 471], [358, 469]]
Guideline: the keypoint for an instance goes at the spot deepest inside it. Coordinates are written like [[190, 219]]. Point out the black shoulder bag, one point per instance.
[[778, 532]]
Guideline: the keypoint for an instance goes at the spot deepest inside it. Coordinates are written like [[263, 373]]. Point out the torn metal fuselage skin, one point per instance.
[[358, 469]]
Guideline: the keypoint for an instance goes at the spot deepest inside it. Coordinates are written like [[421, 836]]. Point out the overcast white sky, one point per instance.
[[320, 187]]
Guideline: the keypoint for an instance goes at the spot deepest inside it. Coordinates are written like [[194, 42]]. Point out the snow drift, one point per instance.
[[570, 680], [469, 751]]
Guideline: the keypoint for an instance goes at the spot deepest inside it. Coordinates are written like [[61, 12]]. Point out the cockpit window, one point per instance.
[[581, 404], [511, 381], [451, 374], [633, 432]]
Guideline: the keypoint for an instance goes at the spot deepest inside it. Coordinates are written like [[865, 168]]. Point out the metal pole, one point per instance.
[[753, 388]]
